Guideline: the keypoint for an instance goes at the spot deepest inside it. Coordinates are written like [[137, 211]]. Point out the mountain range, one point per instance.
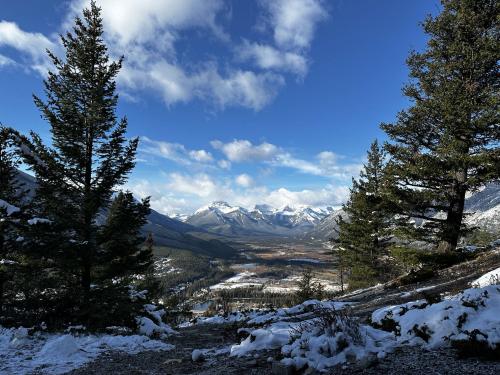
[[222, 218], [483, 208], [208, 230]]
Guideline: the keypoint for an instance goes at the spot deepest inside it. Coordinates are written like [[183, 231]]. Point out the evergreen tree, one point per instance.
[[122, 262], [122, 254], [446, 143], [10, 212], [89, 156], [363, 235]]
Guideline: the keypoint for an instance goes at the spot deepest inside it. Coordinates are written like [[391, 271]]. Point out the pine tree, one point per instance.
[[446, 143], [363, 235], [89, 156]]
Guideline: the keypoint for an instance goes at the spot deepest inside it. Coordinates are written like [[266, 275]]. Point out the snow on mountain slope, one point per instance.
[[220, 217], [484, 208], [328, 226]]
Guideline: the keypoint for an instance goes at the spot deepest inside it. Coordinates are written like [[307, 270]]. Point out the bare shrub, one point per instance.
[[331, 321]]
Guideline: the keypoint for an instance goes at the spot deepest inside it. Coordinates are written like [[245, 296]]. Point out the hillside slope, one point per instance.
[[166, 231]]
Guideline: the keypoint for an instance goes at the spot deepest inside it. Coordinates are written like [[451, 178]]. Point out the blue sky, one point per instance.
[[245, 101]]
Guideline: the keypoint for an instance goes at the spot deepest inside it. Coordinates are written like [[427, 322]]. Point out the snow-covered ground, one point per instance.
[[307, 337], [163, 266], [248, 279], [23, 350], [471, 314], [22, 353], [490, 278]]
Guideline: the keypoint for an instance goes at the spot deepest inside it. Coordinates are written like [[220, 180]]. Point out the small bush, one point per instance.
[[331, 321], [308, 289], [406, 258]]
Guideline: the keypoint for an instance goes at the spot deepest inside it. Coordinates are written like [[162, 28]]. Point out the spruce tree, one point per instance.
[[446, 143], [363, 235], [89, 156]]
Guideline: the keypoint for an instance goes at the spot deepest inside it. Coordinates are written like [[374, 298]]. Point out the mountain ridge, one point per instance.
[[165, 230]]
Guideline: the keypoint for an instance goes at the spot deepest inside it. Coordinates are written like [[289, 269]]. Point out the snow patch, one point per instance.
[[59, 353], [490, 278], [9, 209]]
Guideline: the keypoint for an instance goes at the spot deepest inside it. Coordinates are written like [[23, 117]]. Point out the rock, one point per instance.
[[350, 356], [279, 368], [197, 355], [252, 363]]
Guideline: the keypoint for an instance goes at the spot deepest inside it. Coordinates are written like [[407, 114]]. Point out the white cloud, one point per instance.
[[130, 22], [224, 164], [148, 32], [244, 180], [184, 193], [243, 150], [200, 185], [294, 21], [174, 151], [287, 160], [4, 61], [326, 164], [201, 156], [268, 57], [327, 196], [329, 163], [161, 199], [31, 45]]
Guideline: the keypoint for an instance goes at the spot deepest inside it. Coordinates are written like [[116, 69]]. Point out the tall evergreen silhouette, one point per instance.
[[90, 155], [446, 143]]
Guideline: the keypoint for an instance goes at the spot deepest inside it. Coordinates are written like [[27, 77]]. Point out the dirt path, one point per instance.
[[178, 360]]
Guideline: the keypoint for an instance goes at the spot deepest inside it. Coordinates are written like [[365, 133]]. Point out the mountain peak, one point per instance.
[[220, 204]]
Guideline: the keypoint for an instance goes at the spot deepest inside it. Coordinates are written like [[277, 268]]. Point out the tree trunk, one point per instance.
[[87, 218], [453, 224]]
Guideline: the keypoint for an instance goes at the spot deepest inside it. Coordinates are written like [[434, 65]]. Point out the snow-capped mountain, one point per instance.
[[179, 217], [221, 217], [327, 227]]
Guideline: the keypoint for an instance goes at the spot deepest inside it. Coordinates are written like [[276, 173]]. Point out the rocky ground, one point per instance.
[[219, 338]]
